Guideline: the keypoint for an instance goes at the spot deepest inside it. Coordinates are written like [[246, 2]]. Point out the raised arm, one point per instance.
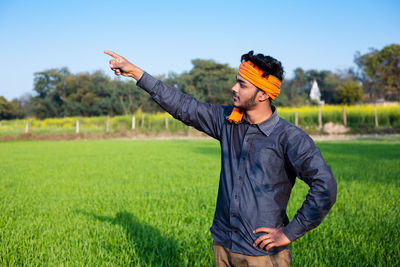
[[205, 117]]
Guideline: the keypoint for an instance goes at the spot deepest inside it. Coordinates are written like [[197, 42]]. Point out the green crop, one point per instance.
[[151, 203]]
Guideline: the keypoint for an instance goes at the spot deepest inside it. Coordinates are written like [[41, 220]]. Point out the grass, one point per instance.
[[151, 203]]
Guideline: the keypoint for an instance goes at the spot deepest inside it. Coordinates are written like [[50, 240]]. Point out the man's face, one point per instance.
[[244, 94]]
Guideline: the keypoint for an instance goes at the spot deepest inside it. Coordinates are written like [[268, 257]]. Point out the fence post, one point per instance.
[[376, 118], [142, 122], [108, 124], [296, 119], [26, 126], [344, 116], [133, 122], [77, 126], [166, 123], [319, 118]]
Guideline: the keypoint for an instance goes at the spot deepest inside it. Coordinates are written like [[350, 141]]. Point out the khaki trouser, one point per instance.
[[225, 257]]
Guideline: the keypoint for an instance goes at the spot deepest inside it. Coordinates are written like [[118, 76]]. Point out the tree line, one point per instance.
[[60, 93]]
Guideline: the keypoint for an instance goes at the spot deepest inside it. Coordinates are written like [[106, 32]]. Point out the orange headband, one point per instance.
[[269, 84]]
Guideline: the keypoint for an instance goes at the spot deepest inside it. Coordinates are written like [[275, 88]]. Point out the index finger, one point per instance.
[[263, 229], [114, 55]]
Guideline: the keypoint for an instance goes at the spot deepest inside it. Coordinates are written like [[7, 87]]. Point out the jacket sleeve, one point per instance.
[[204, 117], [309, 165]]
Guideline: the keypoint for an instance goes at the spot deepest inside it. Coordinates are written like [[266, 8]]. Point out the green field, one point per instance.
[[151, 203]]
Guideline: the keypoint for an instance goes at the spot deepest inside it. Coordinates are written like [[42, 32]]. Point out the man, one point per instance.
[[261, 156]]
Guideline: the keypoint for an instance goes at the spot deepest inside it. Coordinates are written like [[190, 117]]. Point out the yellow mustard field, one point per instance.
[[307, 116]]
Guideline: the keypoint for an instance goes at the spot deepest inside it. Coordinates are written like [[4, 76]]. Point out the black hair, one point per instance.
[[268, 64]]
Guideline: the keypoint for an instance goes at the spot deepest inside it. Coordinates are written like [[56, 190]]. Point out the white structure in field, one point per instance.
[[315, 94]]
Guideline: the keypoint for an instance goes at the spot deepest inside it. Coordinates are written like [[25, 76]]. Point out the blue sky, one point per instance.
[[164, 36]]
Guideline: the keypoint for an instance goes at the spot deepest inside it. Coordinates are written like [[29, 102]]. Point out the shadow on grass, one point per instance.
[[151, 246]]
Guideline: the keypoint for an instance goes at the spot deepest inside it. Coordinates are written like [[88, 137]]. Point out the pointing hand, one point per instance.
[[123, 67]]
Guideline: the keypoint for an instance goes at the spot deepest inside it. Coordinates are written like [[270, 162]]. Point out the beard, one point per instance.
[[248, 103]]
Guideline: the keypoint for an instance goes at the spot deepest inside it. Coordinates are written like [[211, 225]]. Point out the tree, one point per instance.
[[380, 72], [294, 92], [50, 86], [300, 81], [60, 93], [327, 83], [291, 94], [207, 81], [10, 109], [349, 93]]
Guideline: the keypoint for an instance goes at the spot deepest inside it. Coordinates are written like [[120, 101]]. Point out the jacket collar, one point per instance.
[[269, 124]]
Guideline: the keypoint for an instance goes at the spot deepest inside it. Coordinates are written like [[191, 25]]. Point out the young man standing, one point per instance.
[[261, 156]]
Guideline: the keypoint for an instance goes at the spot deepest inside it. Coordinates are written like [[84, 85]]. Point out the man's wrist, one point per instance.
[[141, 75], [136, 73]]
